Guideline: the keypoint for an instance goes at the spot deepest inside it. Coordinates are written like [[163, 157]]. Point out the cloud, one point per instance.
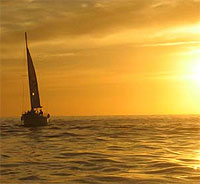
[[47, 19], [66, 28], [169, 44]]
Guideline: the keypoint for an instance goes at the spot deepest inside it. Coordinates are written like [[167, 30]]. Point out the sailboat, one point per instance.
[[35, 116]]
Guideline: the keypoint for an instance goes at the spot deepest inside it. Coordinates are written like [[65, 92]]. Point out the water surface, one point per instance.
[[114, 149]]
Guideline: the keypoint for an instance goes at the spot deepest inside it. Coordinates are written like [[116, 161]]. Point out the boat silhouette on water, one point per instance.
[[35, 116]]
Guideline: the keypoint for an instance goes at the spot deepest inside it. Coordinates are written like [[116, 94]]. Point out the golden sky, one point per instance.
[[102, 57]]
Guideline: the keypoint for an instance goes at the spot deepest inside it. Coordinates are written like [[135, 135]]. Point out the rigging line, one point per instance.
[[23, 79], [24, 65]]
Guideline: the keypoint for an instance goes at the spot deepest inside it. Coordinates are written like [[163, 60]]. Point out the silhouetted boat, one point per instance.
[[35, 116]]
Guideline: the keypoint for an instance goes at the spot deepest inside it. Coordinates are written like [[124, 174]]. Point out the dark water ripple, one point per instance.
[[96, 150]]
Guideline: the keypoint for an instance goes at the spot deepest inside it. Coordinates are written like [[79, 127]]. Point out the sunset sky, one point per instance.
[[102, 57]]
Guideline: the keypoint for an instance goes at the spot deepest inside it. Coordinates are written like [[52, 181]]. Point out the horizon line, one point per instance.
[[183, 114]]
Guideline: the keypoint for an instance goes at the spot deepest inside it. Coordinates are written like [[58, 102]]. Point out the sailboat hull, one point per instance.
[[34, 121]]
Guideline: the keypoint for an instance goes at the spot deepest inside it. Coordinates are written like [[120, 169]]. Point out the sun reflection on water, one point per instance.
[[197, 167]]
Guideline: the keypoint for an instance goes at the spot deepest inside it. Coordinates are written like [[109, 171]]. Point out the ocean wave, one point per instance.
[[114, 149]]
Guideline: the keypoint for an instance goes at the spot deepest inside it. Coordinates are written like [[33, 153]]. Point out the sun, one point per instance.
[[191, 71], [195, 71]]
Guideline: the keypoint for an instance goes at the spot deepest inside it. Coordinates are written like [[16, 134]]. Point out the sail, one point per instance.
[[33, 85]]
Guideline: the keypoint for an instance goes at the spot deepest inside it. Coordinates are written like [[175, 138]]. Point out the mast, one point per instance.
[[26, 40], [33, 84]]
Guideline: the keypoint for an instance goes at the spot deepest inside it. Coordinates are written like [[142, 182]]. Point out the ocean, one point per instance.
[[102, 150]]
